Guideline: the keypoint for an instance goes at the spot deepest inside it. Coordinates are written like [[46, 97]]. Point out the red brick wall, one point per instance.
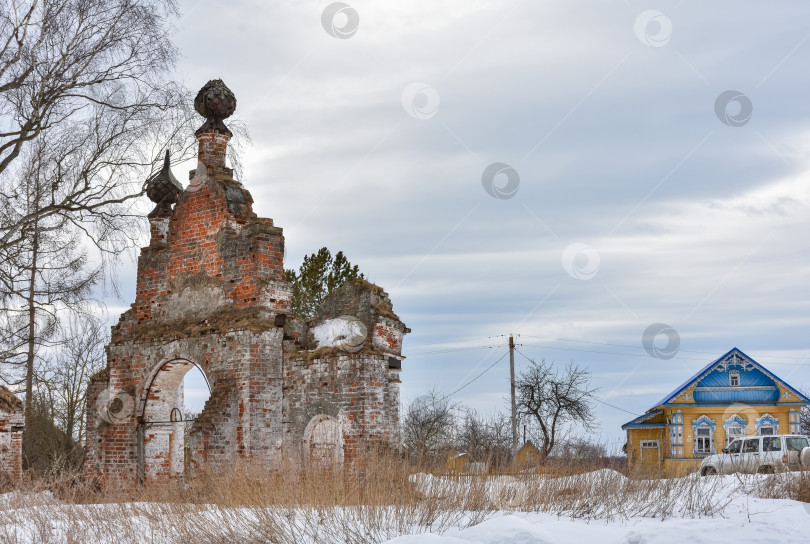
[[211, 291]]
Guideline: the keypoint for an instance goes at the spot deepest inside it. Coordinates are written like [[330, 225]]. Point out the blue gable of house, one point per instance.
[[754, 387], [757, 384]]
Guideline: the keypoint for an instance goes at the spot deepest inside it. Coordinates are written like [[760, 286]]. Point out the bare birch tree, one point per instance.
[[79, 355], [87, 83], [51, 275], [86, 107]]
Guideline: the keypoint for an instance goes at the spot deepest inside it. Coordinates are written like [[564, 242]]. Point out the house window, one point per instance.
[[703, 441], [767, 424], [649, 444], [794, 424], [676, 435], [735, 427], [703, 431], [734, 378], [733, 432]]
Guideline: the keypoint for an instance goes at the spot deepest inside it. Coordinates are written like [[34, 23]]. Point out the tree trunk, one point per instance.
[[32, 323]]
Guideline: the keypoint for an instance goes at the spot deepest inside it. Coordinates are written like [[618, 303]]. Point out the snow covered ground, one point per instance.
[[741, 517], [687, 510], [744, 522]]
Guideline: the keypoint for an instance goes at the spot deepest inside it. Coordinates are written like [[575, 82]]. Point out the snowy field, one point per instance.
[[743, 522], [501, 510]]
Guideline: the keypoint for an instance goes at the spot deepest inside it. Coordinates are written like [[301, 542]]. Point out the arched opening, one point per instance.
[[323, 442], [175, 396]]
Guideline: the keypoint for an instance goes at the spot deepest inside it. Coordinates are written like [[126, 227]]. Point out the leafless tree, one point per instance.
[[46, 448], [79, 355], [51, 276], [486, 439], [579, 449], [54, 435], [86, 107], [428, 425], [86, 86], [551, 398]]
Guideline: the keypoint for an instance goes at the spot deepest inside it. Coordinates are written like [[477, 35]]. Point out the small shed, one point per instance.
[[12, 421], [528, 455], [461, 462], [457, 462]]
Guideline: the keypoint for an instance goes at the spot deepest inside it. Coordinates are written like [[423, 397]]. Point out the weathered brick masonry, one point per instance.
[[211, 292], [12, 420]]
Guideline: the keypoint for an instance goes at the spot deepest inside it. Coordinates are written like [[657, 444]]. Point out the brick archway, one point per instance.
[[323, 442], [161, 422]]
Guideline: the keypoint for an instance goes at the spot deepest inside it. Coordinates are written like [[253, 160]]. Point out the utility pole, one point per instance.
[[512, 387]]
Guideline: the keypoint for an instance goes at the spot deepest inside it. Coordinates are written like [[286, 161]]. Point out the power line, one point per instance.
[[602, 352], [575, 340], [487, 369], [561, 339], [450, 350], [613, 406], [459, 340], [594, 397], [647, 355]]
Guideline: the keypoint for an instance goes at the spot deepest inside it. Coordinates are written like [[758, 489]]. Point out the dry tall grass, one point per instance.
[[385, 499]]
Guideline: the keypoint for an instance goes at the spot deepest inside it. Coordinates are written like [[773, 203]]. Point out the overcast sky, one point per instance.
[[630, 187]]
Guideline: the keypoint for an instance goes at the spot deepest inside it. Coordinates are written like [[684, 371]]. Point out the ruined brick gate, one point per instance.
[[211, 293]]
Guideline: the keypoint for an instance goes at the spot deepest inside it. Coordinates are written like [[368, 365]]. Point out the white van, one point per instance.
[[760, 454]]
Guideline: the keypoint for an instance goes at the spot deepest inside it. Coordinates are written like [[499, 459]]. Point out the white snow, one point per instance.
[[742, 517], [745, 522]]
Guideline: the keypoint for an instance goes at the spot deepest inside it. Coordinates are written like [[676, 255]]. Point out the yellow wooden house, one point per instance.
[[732, 396]]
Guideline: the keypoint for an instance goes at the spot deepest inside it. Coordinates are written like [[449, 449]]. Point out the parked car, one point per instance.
[[760, 454]]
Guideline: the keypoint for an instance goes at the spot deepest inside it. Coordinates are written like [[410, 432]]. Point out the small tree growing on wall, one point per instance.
[[318, 276]]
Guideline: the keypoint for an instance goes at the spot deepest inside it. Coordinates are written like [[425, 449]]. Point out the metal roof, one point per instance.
[[642, 418], [761, 377]]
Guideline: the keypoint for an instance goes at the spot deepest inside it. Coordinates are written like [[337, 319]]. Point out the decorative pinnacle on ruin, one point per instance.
[[163, 189], [215, 102]]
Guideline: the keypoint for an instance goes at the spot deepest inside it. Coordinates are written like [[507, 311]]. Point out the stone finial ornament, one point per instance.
[[215, 102], [163, 189]]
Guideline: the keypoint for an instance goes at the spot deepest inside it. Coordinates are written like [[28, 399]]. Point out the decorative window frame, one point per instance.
[[732, 374], [734, 421], [676, 435], [767, 420], [702, 422], [794, 422]]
